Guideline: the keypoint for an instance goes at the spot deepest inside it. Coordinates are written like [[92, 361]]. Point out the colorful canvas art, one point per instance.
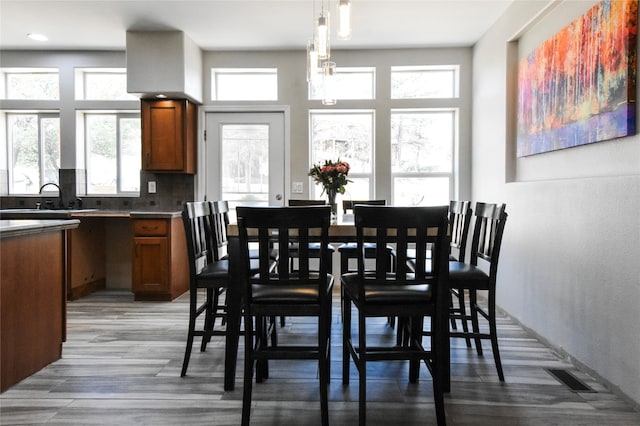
[[578, 87]]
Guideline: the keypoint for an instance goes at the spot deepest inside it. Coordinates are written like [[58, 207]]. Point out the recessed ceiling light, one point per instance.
[[37, 37], [161, 96]]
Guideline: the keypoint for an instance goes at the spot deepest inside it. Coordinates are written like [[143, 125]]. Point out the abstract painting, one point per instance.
[[578, 87]]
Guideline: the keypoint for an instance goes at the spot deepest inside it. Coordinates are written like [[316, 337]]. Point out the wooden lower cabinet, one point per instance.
[[160, 269], [32, 304]]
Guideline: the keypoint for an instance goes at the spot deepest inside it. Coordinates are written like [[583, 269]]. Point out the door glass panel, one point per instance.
[[245, 164]]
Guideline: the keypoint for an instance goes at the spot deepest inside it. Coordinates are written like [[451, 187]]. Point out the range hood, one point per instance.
[[164, 63]]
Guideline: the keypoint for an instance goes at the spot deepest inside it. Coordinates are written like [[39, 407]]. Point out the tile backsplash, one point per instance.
[[172, 190]]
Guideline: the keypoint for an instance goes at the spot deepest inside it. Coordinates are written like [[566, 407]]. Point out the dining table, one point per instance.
[[342, 231]]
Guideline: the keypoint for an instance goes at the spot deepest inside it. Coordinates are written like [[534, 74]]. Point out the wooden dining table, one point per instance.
[[341, 232]]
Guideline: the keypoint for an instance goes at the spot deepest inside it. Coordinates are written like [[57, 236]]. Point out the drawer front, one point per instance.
[[150, 227]]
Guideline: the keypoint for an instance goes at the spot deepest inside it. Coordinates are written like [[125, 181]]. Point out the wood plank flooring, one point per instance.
[[121, 366]]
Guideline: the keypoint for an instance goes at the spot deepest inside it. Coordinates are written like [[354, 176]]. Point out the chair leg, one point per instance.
[[193, 301], [248, 371], [323, 343], [494, 334], [208, 319], [463, 314], [346, 339], [362, 370], [473, 305], [416, 326]]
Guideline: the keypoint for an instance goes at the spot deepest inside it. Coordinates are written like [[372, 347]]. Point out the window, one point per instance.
[[113, 151], [30, 84], [351, 83], [422, 146], [244, 84], [347, 135], [102, 84], [424, 82], [33, 151]]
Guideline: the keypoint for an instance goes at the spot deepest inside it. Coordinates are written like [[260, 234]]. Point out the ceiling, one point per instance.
[[244, 24]]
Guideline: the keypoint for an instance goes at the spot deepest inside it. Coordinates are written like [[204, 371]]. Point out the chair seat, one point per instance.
[[387, 293], [369, 249], [285, 294], [219, 270], [464, 275]]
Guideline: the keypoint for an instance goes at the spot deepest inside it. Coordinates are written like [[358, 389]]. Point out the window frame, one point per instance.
[[452, 174], [315, 190], [8, 71], [338, 88], [215, 72], [8, 154], [119, 114], [80, 83], [454, 68]]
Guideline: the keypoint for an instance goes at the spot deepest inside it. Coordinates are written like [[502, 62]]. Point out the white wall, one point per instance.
[[570, 261]]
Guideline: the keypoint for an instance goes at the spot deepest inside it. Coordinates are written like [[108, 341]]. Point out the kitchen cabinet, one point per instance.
[[169, 136], [32, 296], [159, 267]]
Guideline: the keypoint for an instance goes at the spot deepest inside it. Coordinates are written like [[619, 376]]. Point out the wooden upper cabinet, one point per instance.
[[169, 133]]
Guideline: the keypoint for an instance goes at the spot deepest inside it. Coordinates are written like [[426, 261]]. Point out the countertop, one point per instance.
[[84, 213], [22, 227]]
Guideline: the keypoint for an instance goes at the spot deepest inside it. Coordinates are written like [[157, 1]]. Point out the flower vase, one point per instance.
[[334, 207]]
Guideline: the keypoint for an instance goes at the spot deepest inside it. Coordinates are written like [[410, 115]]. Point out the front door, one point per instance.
[[245, 158]]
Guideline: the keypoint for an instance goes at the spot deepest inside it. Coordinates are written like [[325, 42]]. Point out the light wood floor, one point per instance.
[[121, 366]]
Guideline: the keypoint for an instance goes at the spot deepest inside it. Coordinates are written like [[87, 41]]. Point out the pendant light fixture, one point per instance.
[[344, 19], [329, 83], [322, 35], [313, 70]]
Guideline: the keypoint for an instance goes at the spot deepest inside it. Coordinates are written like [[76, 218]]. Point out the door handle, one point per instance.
[[279, 197]]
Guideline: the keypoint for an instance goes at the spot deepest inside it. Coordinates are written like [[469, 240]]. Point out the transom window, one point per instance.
[[424, 82], [30, 84], [347, 135], [33, 151], [102, 84], [350, 83], [422, 147], [244, 84]]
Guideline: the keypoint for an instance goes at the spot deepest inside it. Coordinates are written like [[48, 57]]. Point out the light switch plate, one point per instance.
[[296, 187], [152, 187]]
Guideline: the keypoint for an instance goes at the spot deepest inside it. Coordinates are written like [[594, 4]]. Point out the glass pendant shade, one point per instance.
[[329, 83], [322, 37], [344, 19], [313, 70]]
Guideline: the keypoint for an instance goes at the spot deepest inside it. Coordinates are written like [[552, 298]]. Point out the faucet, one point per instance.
[[59, 192]]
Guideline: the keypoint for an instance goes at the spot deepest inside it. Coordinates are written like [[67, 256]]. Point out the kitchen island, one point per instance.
[[32, 295]]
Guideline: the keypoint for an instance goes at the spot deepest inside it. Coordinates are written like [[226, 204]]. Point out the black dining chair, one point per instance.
[[479, 274], [207, 271], [460, 213], [269, 294], [410, 293]]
